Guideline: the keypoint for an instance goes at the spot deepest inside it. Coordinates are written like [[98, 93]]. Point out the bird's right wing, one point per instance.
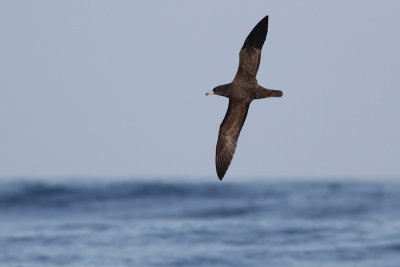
[[229, 132], [250, 54]]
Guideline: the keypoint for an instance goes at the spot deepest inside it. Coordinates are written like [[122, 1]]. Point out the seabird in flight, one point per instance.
[[241, 91]]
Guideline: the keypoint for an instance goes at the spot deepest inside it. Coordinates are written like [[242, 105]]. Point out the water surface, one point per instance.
[[139, 223]]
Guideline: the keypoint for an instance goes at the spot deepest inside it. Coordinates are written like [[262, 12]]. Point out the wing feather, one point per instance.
[[250, 54], [229, 132]]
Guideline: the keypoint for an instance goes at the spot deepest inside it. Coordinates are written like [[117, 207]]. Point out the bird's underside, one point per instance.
[[241, 92]]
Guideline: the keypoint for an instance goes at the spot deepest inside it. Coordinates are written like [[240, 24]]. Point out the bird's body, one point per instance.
[[241, 91]]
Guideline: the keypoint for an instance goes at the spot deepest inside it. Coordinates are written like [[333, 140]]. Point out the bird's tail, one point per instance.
[[261, 92]]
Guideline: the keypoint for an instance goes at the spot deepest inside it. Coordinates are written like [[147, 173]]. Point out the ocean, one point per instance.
[[160, 223]]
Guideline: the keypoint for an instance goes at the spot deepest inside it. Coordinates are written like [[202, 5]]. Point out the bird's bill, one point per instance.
[[210, 93]]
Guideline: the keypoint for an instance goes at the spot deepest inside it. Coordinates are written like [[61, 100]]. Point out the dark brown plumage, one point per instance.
[[241, 91]]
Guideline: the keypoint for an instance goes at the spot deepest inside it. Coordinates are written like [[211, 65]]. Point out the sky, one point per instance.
[[117, 88]]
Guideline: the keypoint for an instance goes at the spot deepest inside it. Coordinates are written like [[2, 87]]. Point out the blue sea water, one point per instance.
[[154, 223]]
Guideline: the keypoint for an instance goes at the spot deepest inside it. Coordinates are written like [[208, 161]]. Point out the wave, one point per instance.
[[308, 199], [16, 194]]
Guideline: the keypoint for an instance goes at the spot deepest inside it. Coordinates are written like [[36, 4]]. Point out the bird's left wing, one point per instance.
[[250, 54], [229, 132]]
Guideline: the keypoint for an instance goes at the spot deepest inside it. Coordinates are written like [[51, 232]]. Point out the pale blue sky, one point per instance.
[[117, 88]]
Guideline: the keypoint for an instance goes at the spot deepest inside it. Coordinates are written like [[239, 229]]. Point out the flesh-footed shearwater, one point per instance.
[[241, 91]]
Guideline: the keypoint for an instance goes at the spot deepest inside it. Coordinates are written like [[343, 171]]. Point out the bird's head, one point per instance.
[[222, 90]]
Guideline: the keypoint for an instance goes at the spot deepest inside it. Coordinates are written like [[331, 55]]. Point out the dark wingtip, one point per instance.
[[265, 18], [256, 37]]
